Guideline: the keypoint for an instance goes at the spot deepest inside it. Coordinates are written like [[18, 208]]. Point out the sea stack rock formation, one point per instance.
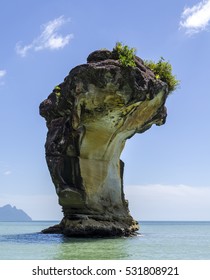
[[89, 117]]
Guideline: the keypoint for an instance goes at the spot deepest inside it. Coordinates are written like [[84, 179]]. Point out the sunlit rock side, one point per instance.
[[89, 118]]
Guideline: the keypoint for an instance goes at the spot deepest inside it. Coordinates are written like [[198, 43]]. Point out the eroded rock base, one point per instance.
[[89, 227]]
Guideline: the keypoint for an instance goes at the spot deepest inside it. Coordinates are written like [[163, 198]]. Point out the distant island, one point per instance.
[[12, 214]]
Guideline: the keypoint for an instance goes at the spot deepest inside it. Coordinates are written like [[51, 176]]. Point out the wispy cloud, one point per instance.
[[196, 18], [7, 172], [48, 39], [169, 202], [5, 169], [2, 73]]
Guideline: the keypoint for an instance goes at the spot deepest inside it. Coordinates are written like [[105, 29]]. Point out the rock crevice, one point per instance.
[[89, 118]]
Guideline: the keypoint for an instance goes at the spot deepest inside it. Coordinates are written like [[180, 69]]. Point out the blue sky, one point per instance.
[[167, 168]]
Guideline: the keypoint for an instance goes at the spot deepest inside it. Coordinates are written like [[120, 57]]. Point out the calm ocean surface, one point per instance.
[[157, 241]]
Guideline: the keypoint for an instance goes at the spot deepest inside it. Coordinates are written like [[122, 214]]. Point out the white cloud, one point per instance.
[[7, 172], [168, 202], [48, 39], [5, 169], [196, 18], [2, 73]]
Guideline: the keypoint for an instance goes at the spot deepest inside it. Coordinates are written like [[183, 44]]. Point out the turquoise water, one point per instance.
[[157, 241]]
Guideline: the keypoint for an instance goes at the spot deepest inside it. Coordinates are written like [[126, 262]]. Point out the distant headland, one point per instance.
[[12, 214]]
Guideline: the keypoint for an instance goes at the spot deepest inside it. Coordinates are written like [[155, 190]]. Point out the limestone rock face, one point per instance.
[[89, 118]]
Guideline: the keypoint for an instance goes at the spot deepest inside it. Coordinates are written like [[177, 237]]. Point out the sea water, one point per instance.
[[155, 241]]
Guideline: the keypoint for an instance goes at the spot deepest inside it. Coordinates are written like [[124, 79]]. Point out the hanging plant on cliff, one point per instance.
[[126, 55], [57, 91], [163, 71]]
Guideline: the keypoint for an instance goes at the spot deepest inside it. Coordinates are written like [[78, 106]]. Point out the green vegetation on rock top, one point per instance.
[[126, 54], [163, 71]]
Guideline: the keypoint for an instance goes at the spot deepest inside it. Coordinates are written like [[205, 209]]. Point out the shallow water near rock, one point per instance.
[[157, 240]]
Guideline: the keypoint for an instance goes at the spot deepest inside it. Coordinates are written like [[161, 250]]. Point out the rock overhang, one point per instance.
[[90, 115]]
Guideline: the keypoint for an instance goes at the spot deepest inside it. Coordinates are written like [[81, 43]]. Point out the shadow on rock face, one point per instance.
[[89, 118]]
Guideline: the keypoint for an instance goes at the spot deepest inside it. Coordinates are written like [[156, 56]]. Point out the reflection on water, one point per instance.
[[56, 246], [108, 248], [159, 240], [32, 238]]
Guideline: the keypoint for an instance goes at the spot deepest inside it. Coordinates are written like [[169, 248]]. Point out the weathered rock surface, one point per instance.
[[89, 118]]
